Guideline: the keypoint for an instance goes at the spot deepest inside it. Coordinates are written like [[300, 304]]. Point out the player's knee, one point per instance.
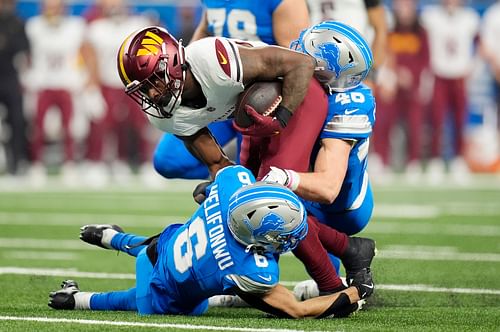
[[164, 167]]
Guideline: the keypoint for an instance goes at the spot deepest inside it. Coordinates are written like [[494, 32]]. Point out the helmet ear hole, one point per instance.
[[267, 217]]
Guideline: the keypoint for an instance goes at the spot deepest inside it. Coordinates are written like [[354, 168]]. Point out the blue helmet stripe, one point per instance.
[[351, 33]]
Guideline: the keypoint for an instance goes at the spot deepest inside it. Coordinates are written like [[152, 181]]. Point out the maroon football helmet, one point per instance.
[[151, 64]]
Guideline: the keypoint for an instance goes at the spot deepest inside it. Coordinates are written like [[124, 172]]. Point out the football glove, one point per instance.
[[200, 192], [285, 177], [262, 126]]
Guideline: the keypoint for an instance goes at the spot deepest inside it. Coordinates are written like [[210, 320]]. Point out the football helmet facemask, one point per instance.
[[343, 57], [152, 66], [267, 217]]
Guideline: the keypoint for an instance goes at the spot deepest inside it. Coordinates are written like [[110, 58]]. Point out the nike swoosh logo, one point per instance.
[[368, 286], [268, 278], [222, 59], [351, 111]]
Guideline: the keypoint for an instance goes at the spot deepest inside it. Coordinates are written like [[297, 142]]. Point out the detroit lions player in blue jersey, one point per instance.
[[229, 246], [338, 191], [275, 22]]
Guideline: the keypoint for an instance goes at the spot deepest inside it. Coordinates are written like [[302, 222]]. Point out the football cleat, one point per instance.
[[363, 281], [358, 256], [64, 298], [96, 235]]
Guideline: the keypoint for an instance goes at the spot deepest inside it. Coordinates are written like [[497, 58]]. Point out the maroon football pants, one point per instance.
[[449, 96], [291, 149], [62, 100], [123, 117]]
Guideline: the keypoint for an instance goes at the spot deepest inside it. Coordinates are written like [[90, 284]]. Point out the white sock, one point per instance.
[[107, 236], [82, 300]]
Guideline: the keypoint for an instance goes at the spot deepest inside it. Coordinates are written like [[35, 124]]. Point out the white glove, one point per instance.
[[286, 177]]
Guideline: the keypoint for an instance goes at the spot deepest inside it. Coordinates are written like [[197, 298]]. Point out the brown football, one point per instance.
[[263, 97]]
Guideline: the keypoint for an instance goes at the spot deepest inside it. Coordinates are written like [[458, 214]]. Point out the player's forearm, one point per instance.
[[201, 30], [296, 82], [289, 19], [330, 305], [205, 148], [268, 63], [376, 16], [283, 300], [318, 187]]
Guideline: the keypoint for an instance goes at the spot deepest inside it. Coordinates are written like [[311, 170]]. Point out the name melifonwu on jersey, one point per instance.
[[202, 258]]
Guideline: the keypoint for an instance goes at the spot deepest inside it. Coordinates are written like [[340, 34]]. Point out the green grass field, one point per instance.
[[437, 268]]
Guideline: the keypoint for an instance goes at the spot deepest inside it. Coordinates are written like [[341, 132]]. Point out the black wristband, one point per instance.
[[283, 115]]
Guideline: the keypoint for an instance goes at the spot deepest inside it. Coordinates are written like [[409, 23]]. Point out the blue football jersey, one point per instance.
[[351, 116], [242, 19], [201, 258]]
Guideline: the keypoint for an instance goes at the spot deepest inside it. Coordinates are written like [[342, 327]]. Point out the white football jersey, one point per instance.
[[215, 63], [451, 39], [55, 50], [351, 12], [106, 35], [490, 30]]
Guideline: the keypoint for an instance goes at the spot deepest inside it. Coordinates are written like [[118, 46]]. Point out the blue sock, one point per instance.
[[121, 241], [119, 300]]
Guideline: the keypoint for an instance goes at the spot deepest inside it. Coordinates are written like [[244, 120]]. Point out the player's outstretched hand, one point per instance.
[[262, 125], [200, 192]]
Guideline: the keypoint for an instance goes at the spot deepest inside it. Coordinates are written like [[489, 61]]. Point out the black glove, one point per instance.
[[200, 192]]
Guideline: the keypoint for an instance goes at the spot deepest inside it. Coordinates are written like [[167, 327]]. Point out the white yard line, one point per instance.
[[79, 219], [25, 243], [138, 324], [41, 255], [70, 273], [67, 273], [376, 226]]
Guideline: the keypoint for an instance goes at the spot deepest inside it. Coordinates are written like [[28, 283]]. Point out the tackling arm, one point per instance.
[[323, 185], [203, 146], [281, 302]]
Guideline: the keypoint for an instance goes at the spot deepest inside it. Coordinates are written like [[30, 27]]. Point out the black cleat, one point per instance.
[[93, 234], [363, 281], [64, 298], [358, 256]]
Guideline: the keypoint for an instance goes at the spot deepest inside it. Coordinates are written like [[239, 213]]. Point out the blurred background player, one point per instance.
[[401, 93], [122, 128], [13, 46], [275, 22], [337, 192], [54, 77], [490, 32], [452, 29]]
